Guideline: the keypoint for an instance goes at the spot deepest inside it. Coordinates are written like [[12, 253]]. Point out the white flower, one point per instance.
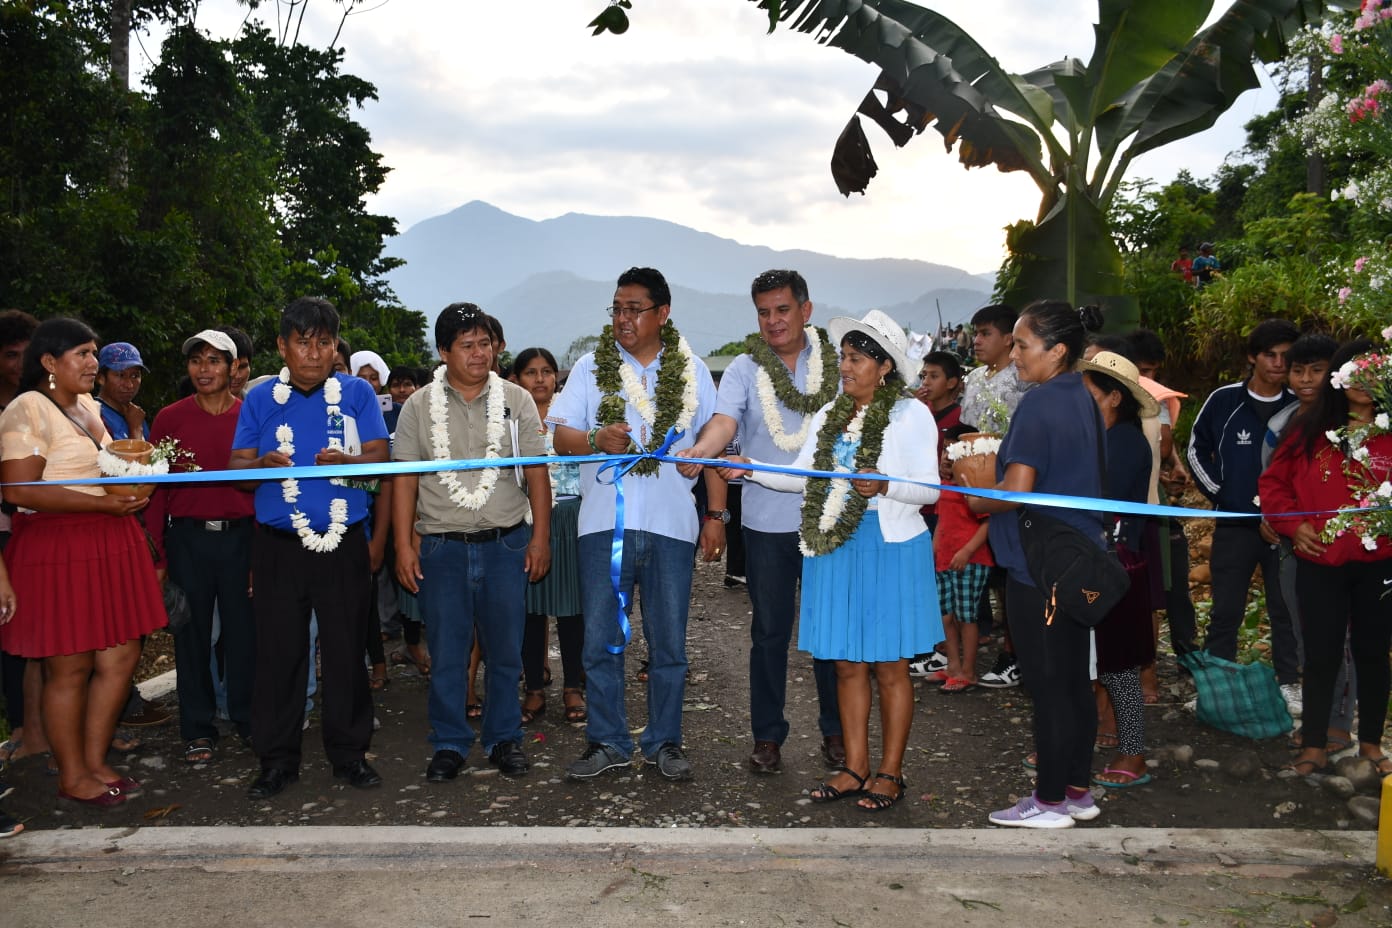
[[1340, 378], [1256, 501], [1387, 333], [1360, 453], [1369, 542], [290, 487], [647, 410], [1381, 421], [1385, 490], [1333, 436], [281, 391], [112, 466], [494, 409], [768, 398]]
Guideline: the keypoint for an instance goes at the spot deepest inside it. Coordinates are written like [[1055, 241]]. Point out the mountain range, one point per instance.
[[550, 281]]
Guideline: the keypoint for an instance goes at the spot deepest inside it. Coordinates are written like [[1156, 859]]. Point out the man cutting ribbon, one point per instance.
[[641, 381]]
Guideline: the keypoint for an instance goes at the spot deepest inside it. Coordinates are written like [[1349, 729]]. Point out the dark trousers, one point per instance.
[[1054, 669], [774, 563], [213, 569], [1238, 550], [291, 582], [735, 552], [1333, 600], [1179, 607], [570, 632]]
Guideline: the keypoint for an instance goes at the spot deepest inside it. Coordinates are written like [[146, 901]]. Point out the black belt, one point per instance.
[[210, 525], [282, 533], [480, 537]]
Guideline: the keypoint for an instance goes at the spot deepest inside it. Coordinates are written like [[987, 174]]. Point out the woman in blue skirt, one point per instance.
[[869, 601]]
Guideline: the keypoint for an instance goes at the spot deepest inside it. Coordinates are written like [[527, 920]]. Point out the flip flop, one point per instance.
[[8, 749], [1030, 762], [1377, 765], [1315, 767], [956, 685], [1107, 740], [1132, 779]]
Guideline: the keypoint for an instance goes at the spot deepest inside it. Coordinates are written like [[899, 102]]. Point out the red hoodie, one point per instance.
[[1298, 482]]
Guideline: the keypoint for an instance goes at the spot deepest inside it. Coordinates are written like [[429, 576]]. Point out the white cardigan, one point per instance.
[[910, 450]]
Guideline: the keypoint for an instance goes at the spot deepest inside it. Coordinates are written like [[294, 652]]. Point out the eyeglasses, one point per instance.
[[628, 312]]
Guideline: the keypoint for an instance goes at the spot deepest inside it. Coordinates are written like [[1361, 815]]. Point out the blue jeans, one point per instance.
[[661, 567], [468, 589], [773, 563]]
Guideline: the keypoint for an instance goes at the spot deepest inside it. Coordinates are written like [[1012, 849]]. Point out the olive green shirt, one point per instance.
[[436, 513]]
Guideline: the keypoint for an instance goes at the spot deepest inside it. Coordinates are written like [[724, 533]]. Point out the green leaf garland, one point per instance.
[[667, 397], [814, 541], [783, 387]]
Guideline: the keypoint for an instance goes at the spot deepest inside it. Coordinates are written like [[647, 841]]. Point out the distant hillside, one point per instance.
[[549, 281]]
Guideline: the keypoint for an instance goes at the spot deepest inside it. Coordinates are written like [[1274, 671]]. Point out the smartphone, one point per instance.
[[384, 400]]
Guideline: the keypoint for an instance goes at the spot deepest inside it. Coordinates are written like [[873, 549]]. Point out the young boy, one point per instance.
[[940, 383], [963, 561]]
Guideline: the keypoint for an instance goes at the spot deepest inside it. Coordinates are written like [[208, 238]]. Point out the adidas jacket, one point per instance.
[[1225, 448]]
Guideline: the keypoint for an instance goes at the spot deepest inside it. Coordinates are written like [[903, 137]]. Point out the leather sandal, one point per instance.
[[574, 699], [880, 801], [530, 713], [825, 792]]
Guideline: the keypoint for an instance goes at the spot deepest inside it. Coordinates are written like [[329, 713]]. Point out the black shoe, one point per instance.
[[507, 756], [272, 782], [445, 765], [358, 773]]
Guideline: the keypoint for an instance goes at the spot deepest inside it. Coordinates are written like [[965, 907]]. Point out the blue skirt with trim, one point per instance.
[[870, 600]]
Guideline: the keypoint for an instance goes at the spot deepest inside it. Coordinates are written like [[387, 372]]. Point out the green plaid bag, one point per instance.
[[1241, 698]]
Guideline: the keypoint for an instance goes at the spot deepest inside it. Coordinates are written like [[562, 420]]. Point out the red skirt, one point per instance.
[[83, 582]]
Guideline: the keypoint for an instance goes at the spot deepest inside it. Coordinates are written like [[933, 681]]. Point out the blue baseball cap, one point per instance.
[[119, 356]]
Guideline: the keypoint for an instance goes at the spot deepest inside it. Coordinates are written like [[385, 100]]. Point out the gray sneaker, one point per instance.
[[596, 759], [671, 762]]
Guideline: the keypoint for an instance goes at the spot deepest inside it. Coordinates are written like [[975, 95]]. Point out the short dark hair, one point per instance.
[[1056, 322], [525, 356], [776, 280], [1311, 347], [345, 351], [16, 326], [1146, 347], [398, 374], [309, 315], [54, 337], [457, 318], [1270, 333], [951, 367], [650, 278], [495, 329], [239, 338], [1330, 409], [1116, 344], [998, 314]]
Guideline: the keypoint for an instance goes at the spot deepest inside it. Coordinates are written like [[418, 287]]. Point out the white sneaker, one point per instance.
[[1082, 809], [927, 666], [1294, 696], [1005, 674]]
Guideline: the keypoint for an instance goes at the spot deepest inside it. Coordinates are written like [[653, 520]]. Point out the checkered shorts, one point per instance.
[[959, 591]]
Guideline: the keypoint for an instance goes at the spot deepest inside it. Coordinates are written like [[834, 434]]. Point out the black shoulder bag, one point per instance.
[[1075, 575]]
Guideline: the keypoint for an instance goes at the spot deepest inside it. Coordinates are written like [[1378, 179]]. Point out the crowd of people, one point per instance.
[[282, 589]]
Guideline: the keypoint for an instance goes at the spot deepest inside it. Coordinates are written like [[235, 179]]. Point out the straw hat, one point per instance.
[[885, 332], [1126, 373]]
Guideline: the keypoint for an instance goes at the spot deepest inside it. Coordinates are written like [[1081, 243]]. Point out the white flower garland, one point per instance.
[[647, 410], [493, 440], [840, 489], [768, 400], [965, 449], [290, 487], [112, 466]]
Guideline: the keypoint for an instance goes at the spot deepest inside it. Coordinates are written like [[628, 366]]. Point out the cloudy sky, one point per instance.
[[695, 116]]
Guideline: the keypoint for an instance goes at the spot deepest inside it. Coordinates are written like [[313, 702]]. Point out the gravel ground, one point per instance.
[[964, 760]]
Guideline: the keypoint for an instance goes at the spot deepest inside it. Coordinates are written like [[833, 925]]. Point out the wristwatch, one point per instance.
[[718, 515]]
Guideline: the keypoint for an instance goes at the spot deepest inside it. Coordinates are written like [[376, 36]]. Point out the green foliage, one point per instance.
[[236, 182], [731, 349]]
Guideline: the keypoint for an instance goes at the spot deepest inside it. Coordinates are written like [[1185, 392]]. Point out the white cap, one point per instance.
[[219, 340]]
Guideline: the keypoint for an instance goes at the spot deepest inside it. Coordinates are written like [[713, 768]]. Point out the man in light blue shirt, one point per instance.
[[640, 381], [795, 364]]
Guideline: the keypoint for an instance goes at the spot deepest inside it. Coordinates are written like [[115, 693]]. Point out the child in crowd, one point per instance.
[[940, 385], [963, 561]]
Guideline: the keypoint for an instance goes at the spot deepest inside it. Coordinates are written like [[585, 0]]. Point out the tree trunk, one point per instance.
[[120, 78]]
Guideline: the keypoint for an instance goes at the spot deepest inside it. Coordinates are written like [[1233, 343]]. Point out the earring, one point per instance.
[[52, 381], [882, 380]]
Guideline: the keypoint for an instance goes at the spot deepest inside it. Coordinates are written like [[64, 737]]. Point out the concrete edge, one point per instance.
[[1263, 853]]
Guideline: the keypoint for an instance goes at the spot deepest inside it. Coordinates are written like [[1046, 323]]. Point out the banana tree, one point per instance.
[[1154, 77]]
